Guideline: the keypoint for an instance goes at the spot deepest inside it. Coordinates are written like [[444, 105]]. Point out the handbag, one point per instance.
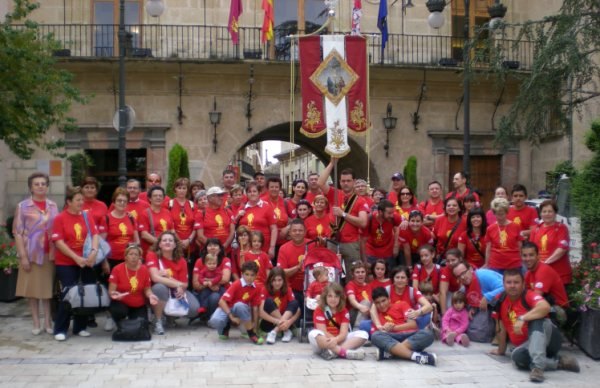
[[177, 307], [103, 246], [87, 299], [136, 329]]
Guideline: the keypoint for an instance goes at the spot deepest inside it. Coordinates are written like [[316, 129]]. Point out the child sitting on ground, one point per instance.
[[239, 305], [209, 276], [456, 321], [358, 293]]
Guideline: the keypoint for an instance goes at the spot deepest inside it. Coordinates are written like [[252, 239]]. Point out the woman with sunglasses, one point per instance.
[[406, 203]]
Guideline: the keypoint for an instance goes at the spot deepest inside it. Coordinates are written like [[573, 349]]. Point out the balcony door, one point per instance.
[[478, 15], [106, 22]]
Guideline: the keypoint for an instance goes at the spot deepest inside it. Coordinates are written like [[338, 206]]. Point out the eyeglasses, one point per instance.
[[462, 274], [154, 181], [133, 245], [120, 201], [409, 194]]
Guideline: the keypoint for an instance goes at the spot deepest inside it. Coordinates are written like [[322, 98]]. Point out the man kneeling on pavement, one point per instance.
[[523, 316]]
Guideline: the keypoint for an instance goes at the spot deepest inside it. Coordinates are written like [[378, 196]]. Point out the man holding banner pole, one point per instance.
[[350, 211]]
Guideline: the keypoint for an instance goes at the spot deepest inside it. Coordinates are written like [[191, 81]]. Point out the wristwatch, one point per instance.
[[344, 214], [520, 318]]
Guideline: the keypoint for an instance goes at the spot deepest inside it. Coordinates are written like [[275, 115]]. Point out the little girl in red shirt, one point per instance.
[[257, 255]]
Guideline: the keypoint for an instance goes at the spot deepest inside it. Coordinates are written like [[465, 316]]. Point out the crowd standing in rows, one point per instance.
[[412, 271]]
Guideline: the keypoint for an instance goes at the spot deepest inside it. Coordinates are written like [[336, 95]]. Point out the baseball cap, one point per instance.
[[215, 190], [398, 176]]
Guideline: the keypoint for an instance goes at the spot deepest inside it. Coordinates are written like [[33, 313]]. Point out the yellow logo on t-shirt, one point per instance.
[[169, 272], [133, 214], [133, 282], [544, 243], [365, 295], [78, 230], [250, 219], [163, 224], [182, 219], [246, 296], [277, 301], [415, 243], [300, 258], [503, 238], [517, 220], [388, 318], [319, 230], [219, 221], [123, 229], [277, 213], [512, 316]]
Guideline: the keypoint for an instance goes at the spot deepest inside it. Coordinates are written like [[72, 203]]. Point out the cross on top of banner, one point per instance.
[[334, 78]]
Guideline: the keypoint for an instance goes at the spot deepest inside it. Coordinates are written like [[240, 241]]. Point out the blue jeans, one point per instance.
[[418, 340], [541, 348], [422, 323], [68, 276], [219, 320]]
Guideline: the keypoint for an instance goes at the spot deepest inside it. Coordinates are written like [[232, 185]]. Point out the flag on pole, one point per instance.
[[356, 15], [333, 76], [382, 22], [267, 27], [235, 10]]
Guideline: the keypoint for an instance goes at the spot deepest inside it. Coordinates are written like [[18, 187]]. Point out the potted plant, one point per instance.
[[584, 294], [9, 264]]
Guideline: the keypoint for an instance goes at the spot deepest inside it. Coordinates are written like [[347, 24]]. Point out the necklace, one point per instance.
[[133, 281]]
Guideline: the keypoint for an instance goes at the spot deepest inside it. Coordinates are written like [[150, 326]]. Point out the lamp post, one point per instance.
[[215, 119], [436, 20], [389, 123], [155, 9]]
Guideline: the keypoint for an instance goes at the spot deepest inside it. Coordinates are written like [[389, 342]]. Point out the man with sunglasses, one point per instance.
[[481, 285]]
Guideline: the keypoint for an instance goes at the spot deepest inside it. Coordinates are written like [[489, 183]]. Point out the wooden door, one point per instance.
[[485, 175]]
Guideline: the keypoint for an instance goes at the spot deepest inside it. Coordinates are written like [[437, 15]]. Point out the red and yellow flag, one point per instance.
[[267, 28], [235, 10]]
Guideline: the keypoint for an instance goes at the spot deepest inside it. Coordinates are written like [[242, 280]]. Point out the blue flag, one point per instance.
[[382, 22]]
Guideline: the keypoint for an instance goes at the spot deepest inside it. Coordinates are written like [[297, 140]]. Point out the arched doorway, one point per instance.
[[356, 159]]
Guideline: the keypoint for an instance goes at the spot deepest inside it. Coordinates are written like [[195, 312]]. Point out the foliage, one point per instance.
[[586, 189], [80, 165], [410, 173], [584, 292], [9, 259], [35, 95], [565, 67], [564, 167], [178, 167]]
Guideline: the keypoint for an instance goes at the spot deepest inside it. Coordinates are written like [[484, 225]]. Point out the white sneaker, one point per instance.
[[60, 337], [271, 337], [158, 328], [355, 354], [287, 336], [109, 324], [84, 333]]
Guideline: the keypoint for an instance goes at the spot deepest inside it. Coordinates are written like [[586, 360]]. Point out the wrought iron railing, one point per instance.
[[199, 42]]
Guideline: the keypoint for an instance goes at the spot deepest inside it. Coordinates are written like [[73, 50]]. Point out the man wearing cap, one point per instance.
[[259, 177], [351, 212], [214, 221], [154, 179], [398, 183]]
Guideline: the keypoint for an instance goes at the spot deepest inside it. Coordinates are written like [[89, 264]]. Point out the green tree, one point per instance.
[[586, 189], [35, 95], [564, 71], [178, 167], [410, 173]]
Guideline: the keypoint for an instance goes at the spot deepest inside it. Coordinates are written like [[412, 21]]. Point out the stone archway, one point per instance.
[[356, 159]]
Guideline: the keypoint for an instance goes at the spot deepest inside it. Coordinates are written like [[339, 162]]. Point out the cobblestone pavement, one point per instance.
[[194, 357]]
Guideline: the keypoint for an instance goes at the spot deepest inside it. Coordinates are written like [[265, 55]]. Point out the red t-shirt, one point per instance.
[[349, 232], [260, 217], [119, 233], [280, 212], [380, 236], [289, 256], [447, 276], [545, 279], [316, 288], [137, 207], [524, 217], [430, 209], [460, 197], [442, 229], [175, 269], [318, 227], [96, 208], [245, 293], [310, 197], [340, 318], [504, 240], [472, 254], [403, 212], [133, 282], [395, 314], [377, 283], [405, 296], [370, 202], [550, 238], [264, 265], [415, 240], [280, 300], [162, 221], [216, 223], [72, 230], [360, 291], [225, 265], [183, 218], [511, 310], [420, 273]]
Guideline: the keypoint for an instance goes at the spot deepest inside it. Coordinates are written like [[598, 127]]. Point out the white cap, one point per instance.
[[215, 190]]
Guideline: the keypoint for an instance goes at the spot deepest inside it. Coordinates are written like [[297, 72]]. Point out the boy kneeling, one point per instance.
[[239, 305], [396, 336]]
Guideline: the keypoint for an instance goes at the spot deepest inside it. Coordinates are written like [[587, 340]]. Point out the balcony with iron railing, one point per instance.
[[199, 42]]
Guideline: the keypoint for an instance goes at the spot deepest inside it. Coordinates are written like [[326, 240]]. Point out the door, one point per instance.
[[485, 175]]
